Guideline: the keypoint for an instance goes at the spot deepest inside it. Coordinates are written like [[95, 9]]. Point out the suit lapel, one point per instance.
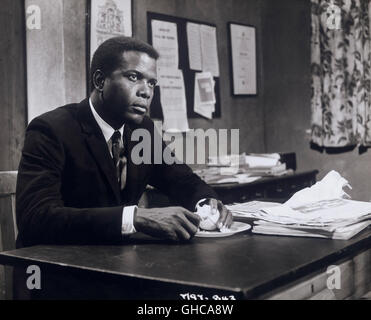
[[98, 146]]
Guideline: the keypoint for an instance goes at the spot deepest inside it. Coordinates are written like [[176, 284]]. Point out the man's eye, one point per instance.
[[152, 84], [133, 77]]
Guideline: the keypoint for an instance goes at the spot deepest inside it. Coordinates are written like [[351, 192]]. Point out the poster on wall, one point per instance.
[[109, 18], [243, 46], [165, 41]]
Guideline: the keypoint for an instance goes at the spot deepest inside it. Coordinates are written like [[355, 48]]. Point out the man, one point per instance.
[[77, 182]]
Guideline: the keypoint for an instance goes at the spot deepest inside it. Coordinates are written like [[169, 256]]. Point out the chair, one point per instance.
[[8, 228]]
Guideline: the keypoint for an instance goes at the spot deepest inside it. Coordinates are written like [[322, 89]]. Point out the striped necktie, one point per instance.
[[119, 159]]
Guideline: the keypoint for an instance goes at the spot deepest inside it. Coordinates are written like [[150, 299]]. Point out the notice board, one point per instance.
[[184, 65]]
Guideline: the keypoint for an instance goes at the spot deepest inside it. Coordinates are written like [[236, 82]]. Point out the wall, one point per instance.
[[56, 56], [286, 54], [13, 86], [245, 113]]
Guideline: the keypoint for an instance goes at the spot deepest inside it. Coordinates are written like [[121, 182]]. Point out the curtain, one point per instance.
[[341, 66]]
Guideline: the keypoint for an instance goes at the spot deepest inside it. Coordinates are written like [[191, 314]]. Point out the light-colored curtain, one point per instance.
[[341, 73]]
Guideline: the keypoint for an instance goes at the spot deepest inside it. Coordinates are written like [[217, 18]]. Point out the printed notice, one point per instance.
[[173, 100], [165, 41], [194, 46], [205, 84], [109, 19], [204, 98], [244, 59], [210, 61]]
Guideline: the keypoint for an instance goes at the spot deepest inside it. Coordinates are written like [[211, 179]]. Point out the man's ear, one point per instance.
[[98, 80]]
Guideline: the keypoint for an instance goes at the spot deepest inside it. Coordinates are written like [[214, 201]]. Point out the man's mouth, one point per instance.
[[140, 109]]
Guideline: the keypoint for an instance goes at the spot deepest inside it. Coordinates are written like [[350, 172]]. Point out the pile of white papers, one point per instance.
[[242, 168], [319, 211], [265, 160], [214, 175]]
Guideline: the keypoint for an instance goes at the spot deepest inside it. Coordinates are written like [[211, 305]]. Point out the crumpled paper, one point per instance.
[[209, 217], [330, 187]]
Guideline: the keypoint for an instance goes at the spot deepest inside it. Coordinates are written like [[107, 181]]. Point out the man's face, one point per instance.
[[128, 90]]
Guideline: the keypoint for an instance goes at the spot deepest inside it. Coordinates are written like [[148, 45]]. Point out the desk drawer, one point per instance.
[[285, 189], [241, 194], [355, 280], [278, 190]]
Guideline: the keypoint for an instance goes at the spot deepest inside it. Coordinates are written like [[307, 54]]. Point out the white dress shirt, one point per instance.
[[128, 212]]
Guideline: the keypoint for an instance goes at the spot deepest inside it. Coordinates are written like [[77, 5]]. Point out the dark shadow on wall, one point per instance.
[[338, 150]]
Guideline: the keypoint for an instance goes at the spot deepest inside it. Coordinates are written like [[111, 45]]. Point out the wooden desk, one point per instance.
[[279, 189], [243, 266]]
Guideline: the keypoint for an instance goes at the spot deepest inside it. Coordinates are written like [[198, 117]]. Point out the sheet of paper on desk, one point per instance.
[[323, 211], [251, 209], [330, 187], [341, 233], [238, 178]]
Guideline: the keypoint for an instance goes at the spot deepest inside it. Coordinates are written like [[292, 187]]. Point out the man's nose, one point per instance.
[[144, 91]]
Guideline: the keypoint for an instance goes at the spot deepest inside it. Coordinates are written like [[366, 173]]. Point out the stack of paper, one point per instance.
[[242, 168], [226, 169], [213, 175], [252, 165], [262, 160], [266, 164], [319, 211]]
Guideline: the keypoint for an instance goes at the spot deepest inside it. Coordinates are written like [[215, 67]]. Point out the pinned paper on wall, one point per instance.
[[165, 41], [210, 60], [205, 84], [196, 52], [173, 100], [194, 46], [204, 98]]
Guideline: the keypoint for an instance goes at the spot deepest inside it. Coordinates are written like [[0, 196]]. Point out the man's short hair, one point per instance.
[[109, 54]]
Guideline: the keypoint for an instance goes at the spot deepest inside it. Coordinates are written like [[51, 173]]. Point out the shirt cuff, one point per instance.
[[127, 226]]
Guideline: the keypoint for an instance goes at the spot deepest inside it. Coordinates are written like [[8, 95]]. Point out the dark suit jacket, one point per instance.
[[67, 191]]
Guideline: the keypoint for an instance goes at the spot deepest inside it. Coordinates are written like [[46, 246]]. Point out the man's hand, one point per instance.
[[173, 223], [226, 218]]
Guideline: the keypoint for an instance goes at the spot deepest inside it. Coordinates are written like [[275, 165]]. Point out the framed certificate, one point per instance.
[[107, 19], [243, 59]]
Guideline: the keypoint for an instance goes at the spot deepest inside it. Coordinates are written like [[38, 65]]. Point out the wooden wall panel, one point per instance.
[[45, 59], [13, 86]]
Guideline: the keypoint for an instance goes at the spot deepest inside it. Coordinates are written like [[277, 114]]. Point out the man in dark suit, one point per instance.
[[77, 182]]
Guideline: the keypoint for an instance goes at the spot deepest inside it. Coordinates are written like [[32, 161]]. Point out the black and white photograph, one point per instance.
[[180, 157]]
